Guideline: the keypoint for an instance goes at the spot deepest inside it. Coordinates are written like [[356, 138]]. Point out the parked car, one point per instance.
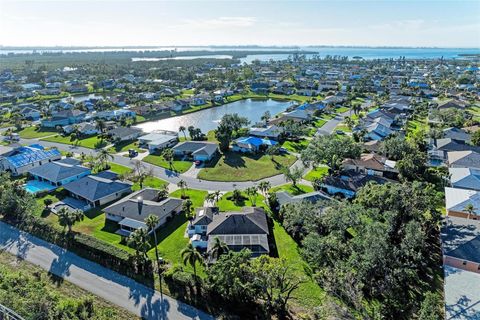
[[132, 153]]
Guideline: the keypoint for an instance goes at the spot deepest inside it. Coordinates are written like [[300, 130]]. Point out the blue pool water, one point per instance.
[[34, 186]]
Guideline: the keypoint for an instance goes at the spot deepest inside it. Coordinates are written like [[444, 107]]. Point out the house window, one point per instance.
[[464, 263]]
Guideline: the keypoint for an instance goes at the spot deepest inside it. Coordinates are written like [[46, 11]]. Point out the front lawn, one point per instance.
[[319, 123], [316, 173], [226, 204], [234, 166], [124, 146], [178, 165], [34, 132], [93, 142]]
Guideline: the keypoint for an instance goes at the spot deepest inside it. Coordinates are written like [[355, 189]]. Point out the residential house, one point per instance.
[[465, 178], [63, 118], [452, 104], [372, 164], [197, 150], [59, 173], [252, 144], [439, 148], [348, 182], [124, 133], [464, 159], [461, 244], [158, 140], [457, 201], [115, 114], [457, 135], [295, 115], [131, 211], [247, 229], [84, 128], [23, 159], [97, 190], [30, 113], [270, 132]]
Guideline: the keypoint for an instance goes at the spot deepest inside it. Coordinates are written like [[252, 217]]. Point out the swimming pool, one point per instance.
[[34, 186]]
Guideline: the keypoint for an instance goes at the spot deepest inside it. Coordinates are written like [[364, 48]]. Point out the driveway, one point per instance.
[[105, 283], [331, 124]]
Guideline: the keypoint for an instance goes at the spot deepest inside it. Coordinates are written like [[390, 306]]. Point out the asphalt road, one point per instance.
[[330, 125], [109, 285]]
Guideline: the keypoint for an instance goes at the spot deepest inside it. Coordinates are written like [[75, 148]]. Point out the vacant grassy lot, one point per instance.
[[178, 165], [93, 142], [36, 132], [234, 166], [316, 173], [309, 294], [295, 146], [124, 146], [152, 182], [298, 189], [28, 289], [226, 204]]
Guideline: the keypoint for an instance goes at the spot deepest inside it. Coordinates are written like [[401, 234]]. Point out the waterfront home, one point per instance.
[[59, 173], [158, 140], [371, 164], [452, 104], [131, 211], [457, 200], [269, 132], [464, 159], [115, 114], [252, 144], [461, 244], [23, 159], [296, 115], [465, 178], [197, 150], [124, 134], [97, 190], [63, 118], [84, 128], [347, 183], [284, 197], [260, 87], [247, 229], [30, 113]]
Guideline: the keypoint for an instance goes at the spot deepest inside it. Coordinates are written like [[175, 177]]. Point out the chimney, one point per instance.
[[140, 204]]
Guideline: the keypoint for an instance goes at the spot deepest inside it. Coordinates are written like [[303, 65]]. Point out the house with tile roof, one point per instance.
[[465, 178], [61, 172], [464, 159]]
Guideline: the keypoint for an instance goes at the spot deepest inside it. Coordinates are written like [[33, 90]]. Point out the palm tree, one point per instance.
[[273, 150], [101, 126], [182, 129], [187, 208], [252, 194], [182, 184], [168, 155], [191, 256], [152, 221], [103, 156], [264, 186], [349, 122], [139, 241], [266, 116], [293, 175], [162, 193], [237, 196], [470, 209], [67, 217], [218, 248]]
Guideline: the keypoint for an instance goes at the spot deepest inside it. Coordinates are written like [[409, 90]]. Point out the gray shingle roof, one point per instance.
[[461, 238], [59, 170], [284, 197], [197, 147], [133, 208], [95, 187], [250, 221]]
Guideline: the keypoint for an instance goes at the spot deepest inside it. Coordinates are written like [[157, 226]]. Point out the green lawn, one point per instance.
[[343, 127], [341, 109], [299, 189], [93, 142], [239, 167], [475, 111], [36, 132], [416, 125], [225, 204], [316, 173], [152, 182], [319, 123], [309, 294], [296, 147], [158, 160], [125, 146]]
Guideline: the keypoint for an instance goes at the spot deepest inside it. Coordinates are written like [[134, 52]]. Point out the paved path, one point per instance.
[[331, 124], [109, 285]]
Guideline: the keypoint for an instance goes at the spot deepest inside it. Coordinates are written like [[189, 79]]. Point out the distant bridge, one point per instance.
[[7, 314]]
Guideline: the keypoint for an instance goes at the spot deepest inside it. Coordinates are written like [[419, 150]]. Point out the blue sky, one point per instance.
[[110, 22]]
